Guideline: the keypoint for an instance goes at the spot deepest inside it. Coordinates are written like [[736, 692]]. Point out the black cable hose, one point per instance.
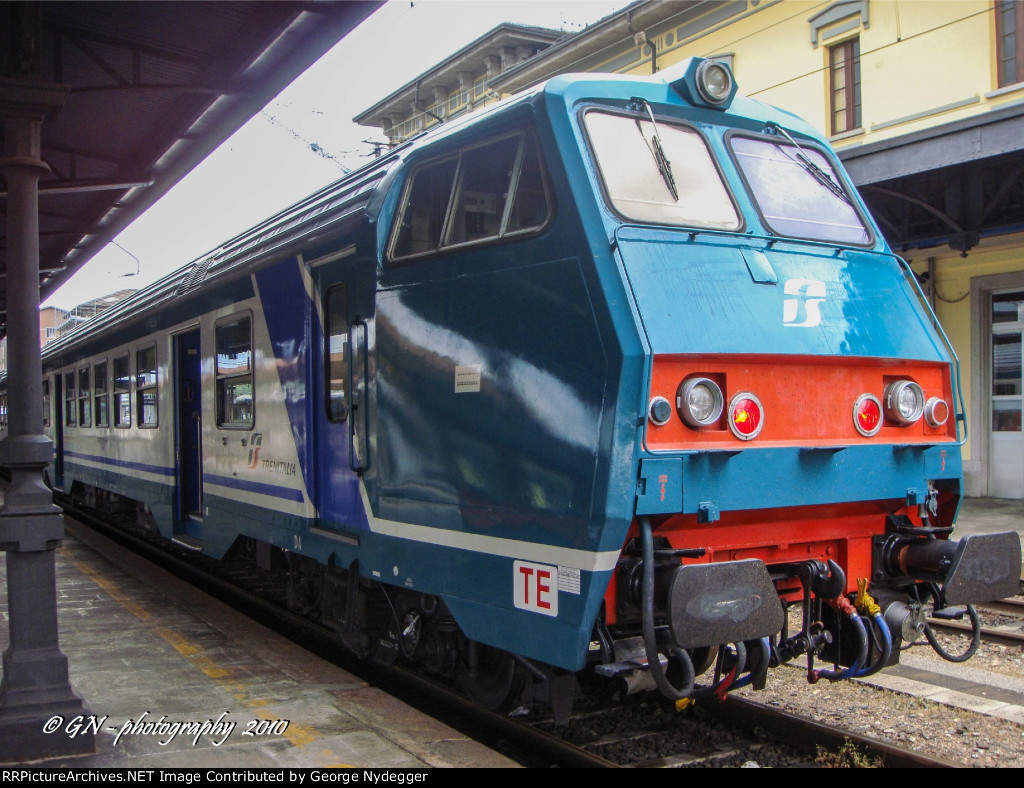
[[971, 649], [650, 637]]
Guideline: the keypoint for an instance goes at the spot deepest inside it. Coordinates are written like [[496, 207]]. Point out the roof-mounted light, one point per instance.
[[714, 82], [702, 82]]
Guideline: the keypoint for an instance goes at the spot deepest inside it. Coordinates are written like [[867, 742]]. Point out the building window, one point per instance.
[[99, 384], [844, 85], [234, 373], [122, 392], [1009, 41], [145, 386]]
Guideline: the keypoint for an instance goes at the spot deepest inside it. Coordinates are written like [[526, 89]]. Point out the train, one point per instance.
[[613, 383]]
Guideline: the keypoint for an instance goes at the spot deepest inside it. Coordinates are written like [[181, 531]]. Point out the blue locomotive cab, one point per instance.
[[801, 420]]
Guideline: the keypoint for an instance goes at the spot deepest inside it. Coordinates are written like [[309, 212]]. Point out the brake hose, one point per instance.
[[650, 637]]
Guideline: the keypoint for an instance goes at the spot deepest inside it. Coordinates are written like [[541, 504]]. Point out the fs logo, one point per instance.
[[254, 452], [801, 302]]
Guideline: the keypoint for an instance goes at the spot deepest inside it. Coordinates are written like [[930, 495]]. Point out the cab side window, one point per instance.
[[487, 191]]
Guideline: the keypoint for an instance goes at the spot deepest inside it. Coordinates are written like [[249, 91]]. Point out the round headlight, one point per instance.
[[714, 82], [699, 402], [867, 415], [904, 402]]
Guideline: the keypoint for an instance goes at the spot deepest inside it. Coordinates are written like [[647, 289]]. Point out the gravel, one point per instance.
[[956, 735]]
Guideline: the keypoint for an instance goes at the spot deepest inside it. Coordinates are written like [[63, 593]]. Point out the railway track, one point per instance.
[[733, 733], [1002, 622]]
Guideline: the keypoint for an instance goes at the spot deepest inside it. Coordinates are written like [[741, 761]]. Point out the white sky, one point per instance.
[[270, 164]]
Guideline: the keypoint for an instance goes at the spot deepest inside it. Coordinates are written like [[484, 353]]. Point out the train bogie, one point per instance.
[[604, 378]]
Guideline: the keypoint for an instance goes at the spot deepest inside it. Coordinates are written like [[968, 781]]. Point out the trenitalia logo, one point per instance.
[[801, 302]]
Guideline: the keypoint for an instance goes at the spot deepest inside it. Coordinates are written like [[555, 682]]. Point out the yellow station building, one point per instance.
[[922, 99]]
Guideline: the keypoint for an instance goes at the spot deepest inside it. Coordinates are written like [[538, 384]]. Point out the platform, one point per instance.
[[155, 659], [990, 516]]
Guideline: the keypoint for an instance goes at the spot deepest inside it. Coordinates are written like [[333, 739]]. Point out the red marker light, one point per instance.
[[746, 417], [867, 415]]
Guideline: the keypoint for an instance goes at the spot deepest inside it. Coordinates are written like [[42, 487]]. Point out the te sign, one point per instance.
[[535, 587]]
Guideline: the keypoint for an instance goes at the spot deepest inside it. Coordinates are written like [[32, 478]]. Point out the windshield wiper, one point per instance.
[[813, 169], [664, 165]]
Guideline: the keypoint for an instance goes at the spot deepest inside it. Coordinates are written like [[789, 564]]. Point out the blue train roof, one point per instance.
[[341, 206]]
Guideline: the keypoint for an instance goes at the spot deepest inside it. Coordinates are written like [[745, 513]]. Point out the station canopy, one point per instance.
[[152, 89]]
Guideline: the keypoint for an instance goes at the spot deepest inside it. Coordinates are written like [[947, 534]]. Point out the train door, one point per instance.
[[342, 416], [1006, 439], [188, 431], [58, 431]]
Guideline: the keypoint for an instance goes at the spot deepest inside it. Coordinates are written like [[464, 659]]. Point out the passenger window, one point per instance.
[[84, 399], [336, 340], [70, 403], [488, 191], [46, 403], [122, 391], [101, 401], [234, 373], [145, 386]]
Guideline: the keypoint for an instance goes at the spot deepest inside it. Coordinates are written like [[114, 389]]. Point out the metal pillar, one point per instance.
[[35, 686]]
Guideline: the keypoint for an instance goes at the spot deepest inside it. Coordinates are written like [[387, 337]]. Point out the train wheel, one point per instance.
[[703, 658], [486, 675]]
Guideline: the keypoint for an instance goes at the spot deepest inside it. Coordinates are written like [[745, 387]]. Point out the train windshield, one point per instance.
[[626, 149], [797, 191]]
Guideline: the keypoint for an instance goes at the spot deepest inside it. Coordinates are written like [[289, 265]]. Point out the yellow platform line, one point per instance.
[[298, 735]]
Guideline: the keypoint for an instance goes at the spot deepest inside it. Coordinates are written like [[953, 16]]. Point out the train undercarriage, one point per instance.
[[685, 630]]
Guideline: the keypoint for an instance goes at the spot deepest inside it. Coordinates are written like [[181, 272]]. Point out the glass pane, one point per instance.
[[145, 366], [83, 382], [530, 205], [483, 188], [1006, 416], [337, 363], [147, 408], [425, 207], [637, 188], [235, 400], [1006, 307], [791, 197], [122, 410], [122, 374], [99, 377], [102, 414], [1006, 366], [234, 347]]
